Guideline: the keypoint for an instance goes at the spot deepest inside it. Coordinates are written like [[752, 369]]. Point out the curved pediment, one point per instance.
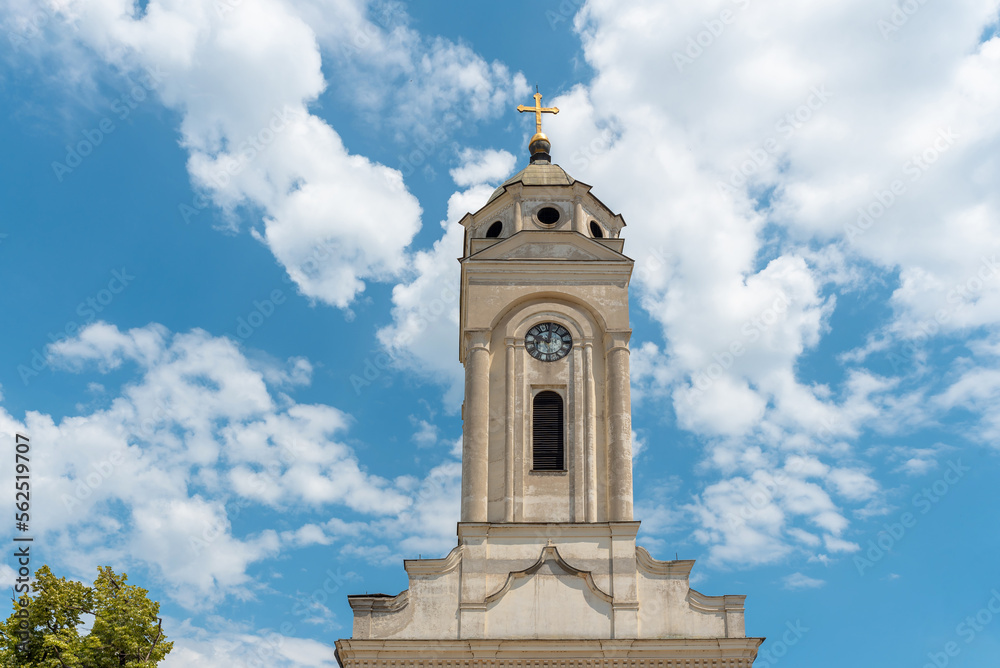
[[550, 562], [549, 599]]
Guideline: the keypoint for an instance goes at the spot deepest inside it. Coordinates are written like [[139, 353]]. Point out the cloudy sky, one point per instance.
[[227, 249]]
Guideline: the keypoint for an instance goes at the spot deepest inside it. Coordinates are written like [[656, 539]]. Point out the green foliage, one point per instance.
[[125, 630]]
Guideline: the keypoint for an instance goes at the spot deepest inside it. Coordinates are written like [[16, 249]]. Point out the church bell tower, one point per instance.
[[547, 569]]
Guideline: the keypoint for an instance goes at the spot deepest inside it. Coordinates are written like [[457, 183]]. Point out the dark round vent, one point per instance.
[[495, 230], [548, 215], [595, 230]]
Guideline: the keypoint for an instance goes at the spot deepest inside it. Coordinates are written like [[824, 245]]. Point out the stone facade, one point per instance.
[[547, 571]]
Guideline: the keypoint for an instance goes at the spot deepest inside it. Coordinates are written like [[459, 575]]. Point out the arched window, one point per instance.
[[495, 230], [547, 432], [595, 230]]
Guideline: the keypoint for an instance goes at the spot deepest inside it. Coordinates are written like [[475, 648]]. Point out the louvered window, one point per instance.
[[547, 432]]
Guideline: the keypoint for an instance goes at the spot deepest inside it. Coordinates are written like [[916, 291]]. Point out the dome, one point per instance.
[[537, 174]]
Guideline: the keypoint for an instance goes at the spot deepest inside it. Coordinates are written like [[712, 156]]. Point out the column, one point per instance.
[[518, 214], [619, 426], [589, 433], [508, 456], [476, 430], [579, 218]]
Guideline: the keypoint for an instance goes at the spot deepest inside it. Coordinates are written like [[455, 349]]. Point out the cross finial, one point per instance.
[[538, 109]]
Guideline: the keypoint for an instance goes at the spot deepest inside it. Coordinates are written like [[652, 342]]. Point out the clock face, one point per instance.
[[548, 342]]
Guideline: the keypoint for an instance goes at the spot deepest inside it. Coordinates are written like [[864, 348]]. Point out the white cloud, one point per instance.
[[242, 78], [977, 390], [854, 484], [422, 336], [479, 167], [197, 437], [228, 644], [767, 515], [917, 461], [426, 434], [742, 277], [800, 581]]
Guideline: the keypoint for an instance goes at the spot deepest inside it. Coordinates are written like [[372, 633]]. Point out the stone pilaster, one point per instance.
[[590, 432], [619, 426], [476, 430], [510, 423]]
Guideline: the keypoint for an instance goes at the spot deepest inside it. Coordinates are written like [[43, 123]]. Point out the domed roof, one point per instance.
[[536, 174]]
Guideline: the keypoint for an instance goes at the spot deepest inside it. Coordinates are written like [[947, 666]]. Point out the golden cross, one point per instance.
[[539, 110]]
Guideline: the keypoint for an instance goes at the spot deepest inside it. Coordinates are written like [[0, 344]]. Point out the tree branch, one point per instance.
[[159, 634]]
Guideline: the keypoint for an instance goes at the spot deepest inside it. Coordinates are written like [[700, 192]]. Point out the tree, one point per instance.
[[125, 630]]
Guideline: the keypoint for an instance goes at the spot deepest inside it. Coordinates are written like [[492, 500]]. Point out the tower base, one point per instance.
[[572, 595]]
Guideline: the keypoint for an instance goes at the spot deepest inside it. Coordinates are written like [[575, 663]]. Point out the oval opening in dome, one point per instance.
[[595, 230], [548, 215], [495, 230]]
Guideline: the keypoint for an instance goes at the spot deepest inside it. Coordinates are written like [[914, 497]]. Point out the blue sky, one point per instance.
[[227, 244]]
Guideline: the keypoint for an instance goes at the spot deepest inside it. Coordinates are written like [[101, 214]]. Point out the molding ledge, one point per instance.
[[680, 569], [379, 602], [434, 566], [727, 603], [510, 653]]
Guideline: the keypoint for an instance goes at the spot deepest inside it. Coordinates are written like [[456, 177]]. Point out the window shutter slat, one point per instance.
[[547, 432]]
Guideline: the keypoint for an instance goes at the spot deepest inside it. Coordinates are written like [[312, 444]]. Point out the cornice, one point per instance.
[[434, 566], [679, 569], [727, 603], [566, 653]]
